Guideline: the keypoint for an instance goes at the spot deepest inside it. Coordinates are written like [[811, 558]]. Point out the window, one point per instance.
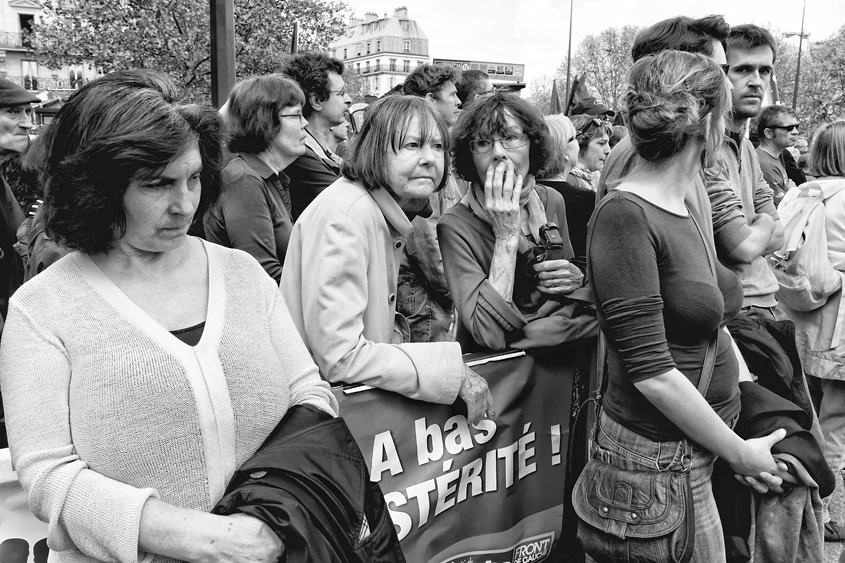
[[393, 65], [378, 46], [357, 68], [29, 71], [344, 53], [359, 49], [420, 63], [369, 44], [367, 67], [406, 66], [75, 76], [406, 46], [27, 21]]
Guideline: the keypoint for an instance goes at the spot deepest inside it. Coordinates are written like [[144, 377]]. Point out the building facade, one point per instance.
[[380, 52], [17, 60]]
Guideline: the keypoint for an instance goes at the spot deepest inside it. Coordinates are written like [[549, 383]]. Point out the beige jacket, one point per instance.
[[339, 281]]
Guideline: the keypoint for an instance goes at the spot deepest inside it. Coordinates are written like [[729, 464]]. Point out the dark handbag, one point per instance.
[[637, 516]]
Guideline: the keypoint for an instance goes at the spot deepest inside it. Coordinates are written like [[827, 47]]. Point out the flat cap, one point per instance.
[[13, 95]]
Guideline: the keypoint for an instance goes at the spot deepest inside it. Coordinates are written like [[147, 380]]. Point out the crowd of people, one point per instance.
[[196, 279]]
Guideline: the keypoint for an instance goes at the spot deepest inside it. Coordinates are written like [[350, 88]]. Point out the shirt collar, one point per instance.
[[393, 214], [263, 169]]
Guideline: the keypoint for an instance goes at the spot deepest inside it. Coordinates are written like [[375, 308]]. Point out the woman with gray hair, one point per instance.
[[663, 298], [580, 202], [341, 272]]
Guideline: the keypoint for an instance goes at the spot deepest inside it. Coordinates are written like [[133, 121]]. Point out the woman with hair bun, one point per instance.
[[593, 136], [663, 298]]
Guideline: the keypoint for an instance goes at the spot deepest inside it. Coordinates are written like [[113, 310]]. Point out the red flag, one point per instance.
[[579, 95]]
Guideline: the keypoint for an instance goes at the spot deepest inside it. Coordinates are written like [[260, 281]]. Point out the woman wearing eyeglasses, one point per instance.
[[594, 142], [266, 134], [500, 143]]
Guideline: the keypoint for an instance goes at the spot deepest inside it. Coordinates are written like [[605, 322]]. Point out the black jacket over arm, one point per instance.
[[309, 483]]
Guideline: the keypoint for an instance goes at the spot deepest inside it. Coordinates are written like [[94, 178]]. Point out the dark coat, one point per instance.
[[309, 483]]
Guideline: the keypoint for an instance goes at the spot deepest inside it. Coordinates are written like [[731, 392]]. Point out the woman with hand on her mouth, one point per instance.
[[594, 142], [500, 143], [266, 134], [341, 272], [139, 372]]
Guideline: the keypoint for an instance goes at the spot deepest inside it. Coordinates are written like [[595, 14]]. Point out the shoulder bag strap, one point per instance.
[[709, 363]]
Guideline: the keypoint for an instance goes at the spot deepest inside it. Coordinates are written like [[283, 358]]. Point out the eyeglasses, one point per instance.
[[340, 93], [297, 116], [509, 142], [792, 127]]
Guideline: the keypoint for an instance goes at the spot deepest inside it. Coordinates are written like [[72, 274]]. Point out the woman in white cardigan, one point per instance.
[[139, 372]]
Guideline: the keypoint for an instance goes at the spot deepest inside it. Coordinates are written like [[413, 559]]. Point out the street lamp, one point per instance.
[[801, 37], [568, 58]]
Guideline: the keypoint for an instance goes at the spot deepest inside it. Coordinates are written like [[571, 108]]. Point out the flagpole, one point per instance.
[[569, 53]]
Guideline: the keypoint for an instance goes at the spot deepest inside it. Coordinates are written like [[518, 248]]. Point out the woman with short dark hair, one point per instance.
[[500, 143], [141, 371], [340, 277], [266, 134]]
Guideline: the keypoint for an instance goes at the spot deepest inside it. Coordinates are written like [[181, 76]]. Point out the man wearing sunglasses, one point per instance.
[[777, 130]]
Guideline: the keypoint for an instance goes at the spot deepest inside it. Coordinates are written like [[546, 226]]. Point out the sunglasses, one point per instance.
[[792, 127], [593, 123]]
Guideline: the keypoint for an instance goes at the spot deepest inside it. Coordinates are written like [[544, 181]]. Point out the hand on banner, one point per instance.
[[476, 395]]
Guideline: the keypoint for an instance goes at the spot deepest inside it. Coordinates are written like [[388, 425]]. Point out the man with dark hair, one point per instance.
[[473, 84], [683, 34], [321, 80], [436, 83], [777, 129], [750, 57], [734, 237]]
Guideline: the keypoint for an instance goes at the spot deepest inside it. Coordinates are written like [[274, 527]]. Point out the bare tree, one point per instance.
[[604, 60]]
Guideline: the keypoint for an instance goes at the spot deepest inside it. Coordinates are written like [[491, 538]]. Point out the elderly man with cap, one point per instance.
[[15, 123]]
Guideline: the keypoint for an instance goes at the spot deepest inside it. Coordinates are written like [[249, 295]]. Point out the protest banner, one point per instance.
[[493, 493], [490, 493]]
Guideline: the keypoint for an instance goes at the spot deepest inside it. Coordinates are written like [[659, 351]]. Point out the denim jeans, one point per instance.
[[828, 397], [430, 315], [771, 313], [627, 450]]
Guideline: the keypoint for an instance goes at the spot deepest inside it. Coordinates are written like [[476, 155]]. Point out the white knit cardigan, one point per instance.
[[105, 408]]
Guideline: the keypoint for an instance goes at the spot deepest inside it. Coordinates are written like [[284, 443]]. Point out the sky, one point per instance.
[[535, 32]]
